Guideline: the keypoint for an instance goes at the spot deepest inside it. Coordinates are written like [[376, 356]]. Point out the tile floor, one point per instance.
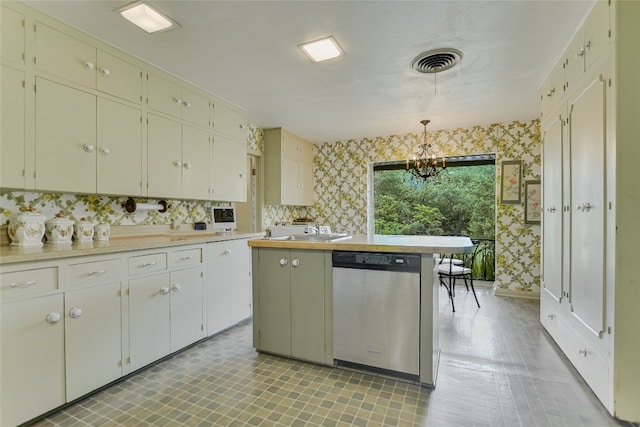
[[497, 368]]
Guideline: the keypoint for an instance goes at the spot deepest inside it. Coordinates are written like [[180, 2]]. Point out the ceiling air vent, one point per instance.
[[436, 61]]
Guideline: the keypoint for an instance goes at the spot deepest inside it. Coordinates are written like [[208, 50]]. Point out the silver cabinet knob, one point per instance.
[[88, 65], [186, 165], [164, 290], [105, 72], [89, 148], [176, 287], [177, 164], [284, 261], [295, 262], [186, 104], [583, 351], [53, 317], [75, 312], [228, 252], [177, 101], [104, 151]]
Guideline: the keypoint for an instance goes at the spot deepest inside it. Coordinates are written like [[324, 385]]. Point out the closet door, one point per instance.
[[587, 123], [552, 255]]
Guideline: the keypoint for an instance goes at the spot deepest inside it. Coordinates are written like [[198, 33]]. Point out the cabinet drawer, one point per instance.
[[94, 273], [147, 263], [28, 281], [591, 366], [185, 258]]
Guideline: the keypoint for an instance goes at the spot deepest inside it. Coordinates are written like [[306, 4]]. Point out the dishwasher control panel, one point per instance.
[[376, 260]]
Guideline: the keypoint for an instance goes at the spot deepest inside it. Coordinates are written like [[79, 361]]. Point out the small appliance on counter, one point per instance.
[[223, 218]]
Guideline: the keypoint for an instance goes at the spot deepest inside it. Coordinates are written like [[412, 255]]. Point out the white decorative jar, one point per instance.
[[26, 229], [83, 231], [101, 232], [59, 230]]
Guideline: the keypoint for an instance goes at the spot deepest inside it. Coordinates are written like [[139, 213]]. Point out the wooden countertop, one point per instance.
[[120, 243], [377, 243]]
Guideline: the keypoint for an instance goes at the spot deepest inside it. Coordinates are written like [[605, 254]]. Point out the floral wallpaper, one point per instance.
[[341, 175]]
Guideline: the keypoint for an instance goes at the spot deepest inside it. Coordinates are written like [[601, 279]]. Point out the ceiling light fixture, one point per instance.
[[425, 166], [146, 17], [322, 50]]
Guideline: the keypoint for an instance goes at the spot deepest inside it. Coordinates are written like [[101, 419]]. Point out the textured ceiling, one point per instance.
[[246, 52]]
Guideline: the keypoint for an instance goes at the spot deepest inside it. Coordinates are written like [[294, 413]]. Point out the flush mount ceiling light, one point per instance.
[[321, 50], [146, 17]]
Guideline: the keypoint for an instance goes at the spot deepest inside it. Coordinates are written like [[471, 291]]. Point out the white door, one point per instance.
[[12, 110], [187, 324], [164, 154], [195, 163]]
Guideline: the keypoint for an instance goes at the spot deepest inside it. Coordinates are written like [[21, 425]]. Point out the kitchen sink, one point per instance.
[[335, 237]]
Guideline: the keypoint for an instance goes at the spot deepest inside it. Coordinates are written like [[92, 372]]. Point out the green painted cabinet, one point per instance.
[[290, 303]]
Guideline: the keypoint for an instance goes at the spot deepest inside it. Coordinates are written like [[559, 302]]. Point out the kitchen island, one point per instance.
[[293, 295]]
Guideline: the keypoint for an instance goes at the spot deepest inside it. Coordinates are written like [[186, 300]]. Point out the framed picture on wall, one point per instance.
[[532, 202], [510, 182]]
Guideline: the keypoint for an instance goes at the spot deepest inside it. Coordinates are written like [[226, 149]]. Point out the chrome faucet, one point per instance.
[[311, 229]]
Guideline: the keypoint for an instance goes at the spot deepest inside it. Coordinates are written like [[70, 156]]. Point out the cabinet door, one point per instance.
[[64, 56], [195, 163], [596, 32], [187, 324], [217, 287], [275, 301], [119, 137], [240, 265], [229, 120], [290, 181], [587, 123], [12, 150], [119, 78], [229, 170], [164, 95], [164, 154], [305, 194], [574, 60], [93, 338], [195, 107], [307, 305], [32, 362], [553, 136], [12, 45], [65, 138], [149, 319]]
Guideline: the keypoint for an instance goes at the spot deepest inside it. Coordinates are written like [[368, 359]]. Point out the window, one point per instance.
[[462, 203]]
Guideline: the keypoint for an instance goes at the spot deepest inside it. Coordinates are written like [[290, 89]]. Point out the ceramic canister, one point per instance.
[[83, 231], [101, 231], [26, 229], [59, 230]]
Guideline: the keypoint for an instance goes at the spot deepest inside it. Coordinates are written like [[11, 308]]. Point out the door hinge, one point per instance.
[[23, 24], [129, 360], [119, 294], [119, 363], [253, 171], [609, 82], [24, 84], [609, 330], [24, 173], [34, 88], [201, 274], [202, 327]]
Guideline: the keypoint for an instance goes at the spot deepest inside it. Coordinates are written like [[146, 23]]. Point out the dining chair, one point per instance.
[[451, 268]]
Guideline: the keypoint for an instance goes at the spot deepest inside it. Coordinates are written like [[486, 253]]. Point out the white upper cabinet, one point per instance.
[[119, 78], [589, 43], [288, 168], [229, 120], [228, 170], [12, 115], [12, 47], [65, 57], [65, 138], [169, 97]]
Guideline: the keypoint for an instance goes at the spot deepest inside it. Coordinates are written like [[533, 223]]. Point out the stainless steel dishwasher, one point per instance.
[[376, 310]]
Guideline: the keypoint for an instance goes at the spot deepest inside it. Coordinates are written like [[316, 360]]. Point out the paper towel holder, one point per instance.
[[131, 206]]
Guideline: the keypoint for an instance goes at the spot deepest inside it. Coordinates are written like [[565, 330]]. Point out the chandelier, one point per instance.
[[425, 166]]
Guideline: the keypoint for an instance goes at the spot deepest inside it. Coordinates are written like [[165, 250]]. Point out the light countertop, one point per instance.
[[119, 243], [378, 243]]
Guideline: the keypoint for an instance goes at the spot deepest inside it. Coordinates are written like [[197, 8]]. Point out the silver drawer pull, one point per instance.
[[186, 258], [97, 273], [24, 284], [148, 264], [226, 252]]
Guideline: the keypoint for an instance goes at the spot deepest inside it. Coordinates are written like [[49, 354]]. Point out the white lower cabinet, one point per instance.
[[93, 338], [72, 325], [165, 314], [228, 285], [32, 361]]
